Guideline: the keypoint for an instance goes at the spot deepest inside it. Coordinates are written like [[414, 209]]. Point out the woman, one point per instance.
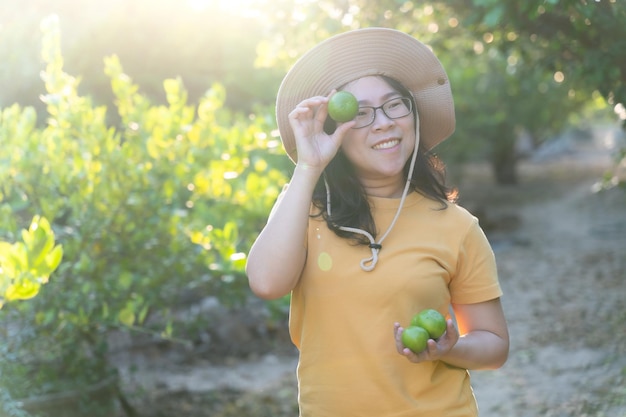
[[366, 235]]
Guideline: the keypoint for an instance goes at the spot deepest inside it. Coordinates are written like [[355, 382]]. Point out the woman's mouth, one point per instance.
[[386, 144]]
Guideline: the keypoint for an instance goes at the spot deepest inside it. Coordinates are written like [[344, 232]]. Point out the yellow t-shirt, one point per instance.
[[341, 318]]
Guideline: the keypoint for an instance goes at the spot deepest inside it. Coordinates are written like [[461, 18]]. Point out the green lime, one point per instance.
[[342, 106], [432, 321], [415, 338]]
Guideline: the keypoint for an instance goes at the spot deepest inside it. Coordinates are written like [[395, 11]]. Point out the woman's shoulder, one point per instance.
[[461, 211], [449, 209], [450, 215]]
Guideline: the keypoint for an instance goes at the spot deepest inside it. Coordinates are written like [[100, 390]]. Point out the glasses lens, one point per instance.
[[397, 107], [364, 117], [393, 109]]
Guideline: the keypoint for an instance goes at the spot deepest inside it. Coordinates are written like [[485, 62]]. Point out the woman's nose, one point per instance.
[[381, 120]]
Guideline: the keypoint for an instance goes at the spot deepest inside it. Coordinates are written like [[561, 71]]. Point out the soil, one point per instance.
[[560, 243]]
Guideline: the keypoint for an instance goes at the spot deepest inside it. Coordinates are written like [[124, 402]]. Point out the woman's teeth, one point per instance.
[[387, 144]]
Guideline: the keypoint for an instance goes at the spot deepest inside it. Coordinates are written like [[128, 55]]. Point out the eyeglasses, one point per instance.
[[393, 109]]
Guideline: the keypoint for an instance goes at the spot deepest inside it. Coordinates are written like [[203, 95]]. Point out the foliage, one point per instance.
[[25, 266], [158, 211], [499, 99], [498, 95], [248, 49], [200, 42], [582, 42], [583, 39]]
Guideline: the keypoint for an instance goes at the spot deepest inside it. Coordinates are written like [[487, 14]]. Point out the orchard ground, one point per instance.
[[560, 243]]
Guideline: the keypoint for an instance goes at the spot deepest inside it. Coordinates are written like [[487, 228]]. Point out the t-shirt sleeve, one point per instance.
[[476, 276]]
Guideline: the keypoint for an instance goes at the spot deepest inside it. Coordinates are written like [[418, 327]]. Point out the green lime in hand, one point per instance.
[[342, 106], [415, 338], [432, 321]]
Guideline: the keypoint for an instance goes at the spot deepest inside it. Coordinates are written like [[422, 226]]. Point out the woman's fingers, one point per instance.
[[434, 350]]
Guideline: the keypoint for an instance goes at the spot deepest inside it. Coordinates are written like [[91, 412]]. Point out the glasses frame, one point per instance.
[[382, 107]]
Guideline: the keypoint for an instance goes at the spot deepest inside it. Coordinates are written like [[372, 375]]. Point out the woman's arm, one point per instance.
[[277, 256], [483, 342]]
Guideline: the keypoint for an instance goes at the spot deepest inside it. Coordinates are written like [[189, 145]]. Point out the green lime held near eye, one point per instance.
[[342, 106]]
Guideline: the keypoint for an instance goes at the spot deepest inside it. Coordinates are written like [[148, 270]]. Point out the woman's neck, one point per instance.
[[387, 188]]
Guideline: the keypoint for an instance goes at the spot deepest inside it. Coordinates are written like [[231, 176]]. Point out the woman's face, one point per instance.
[[379, 151]]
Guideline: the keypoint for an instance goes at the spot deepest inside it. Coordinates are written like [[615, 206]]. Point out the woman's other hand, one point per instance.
[[435, 349]]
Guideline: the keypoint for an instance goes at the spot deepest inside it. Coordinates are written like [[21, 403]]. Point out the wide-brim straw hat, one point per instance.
[[371, 51]]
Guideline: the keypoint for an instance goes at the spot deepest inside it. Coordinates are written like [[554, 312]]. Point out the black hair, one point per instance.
[[349, 204]]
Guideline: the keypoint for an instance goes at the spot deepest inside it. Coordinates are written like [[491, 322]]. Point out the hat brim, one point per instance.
[[370, 51]]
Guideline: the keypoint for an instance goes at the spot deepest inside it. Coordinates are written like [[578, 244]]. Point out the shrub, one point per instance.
[[151, 212]]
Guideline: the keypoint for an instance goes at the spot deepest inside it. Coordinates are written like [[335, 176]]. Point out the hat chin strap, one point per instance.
[[368, 264]]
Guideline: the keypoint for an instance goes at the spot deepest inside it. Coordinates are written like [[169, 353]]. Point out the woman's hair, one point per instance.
[[349, 204]]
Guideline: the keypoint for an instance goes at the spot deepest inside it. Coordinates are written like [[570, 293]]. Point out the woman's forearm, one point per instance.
[[277, 256], [478, 350]]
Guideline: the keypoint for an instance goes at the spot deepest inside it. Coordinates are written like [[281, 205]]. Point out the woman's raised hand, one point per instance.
[[315, 148]]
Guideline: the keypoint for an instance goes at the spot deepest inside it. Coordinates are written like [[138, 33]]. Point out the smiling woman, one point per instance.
[[355, 183]]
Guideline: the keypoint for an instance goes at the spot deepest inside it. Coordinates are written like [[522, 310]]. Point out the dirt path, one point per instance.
[[564, 278], [561, 251]]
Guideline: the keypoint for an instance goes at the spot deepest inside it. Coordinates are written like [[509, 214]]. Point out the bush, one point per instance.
[[154, 211]]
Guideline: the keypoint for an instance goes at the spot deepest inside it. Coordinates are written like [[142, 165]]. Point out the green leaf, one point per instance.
[[125, 280], [53, 259], [17, 259], [23, 288], [494, 15], [143, 313], [127, 315], [168, 331], [5, 248]]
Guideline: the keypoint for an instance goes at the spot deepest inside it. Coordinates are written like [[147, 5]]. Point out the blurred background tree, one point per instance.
[[580, 44], [584, 40], [202, 42], [518, 67], [507, 79]]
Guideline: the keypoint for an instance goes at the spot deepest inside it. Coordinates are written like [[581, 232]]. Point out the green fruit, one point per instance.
[[342, 107], [432, 321], [415, 338]]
